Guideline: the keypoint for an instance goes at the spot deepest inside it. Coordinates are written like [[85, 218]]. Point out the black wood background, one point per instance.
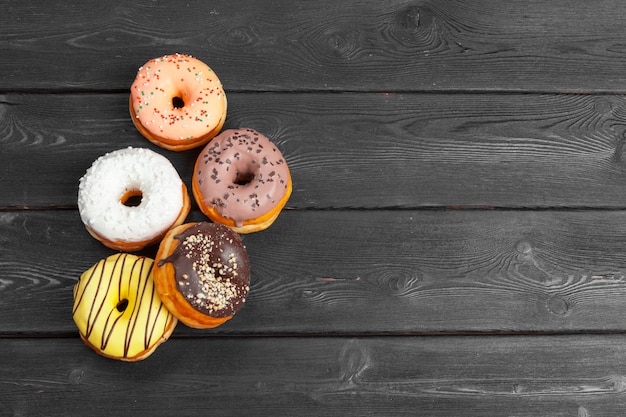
[[455, 244]]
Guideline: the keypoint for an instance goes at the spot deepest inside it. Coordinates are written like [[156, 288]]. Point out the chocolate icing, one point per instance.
[[211, 266]]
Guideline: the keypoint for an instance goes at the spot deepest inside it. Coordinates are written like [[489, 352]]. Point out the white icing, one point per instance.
[[117, 172]]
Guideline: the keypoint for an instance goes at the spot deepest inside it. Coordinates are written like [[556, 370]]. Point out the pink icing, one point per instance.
[[177, 97], [241, 174]]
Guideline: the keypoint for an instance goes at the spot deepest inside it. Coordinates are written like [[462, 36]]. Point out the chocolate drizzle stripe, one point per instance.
[[147, 337], [132, 321], [168, 315], [139, 283], [89, 319], [82, 294], [119, 274], [150, 324], [106, 337]]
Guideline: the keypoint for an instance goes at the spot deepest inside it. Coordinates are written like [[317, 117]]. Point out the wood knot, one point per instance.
[[415, 27], [355, 359], [399, 281], [240, 36], [75, 376], [617, 383], [342, 43], [310, 293], [603, 106], [558, 305], [618, 154], [524, 247], [408, 19]]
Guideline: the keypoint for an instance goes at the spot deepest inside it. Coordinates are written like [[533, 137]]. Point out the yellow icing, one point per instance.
[[117, 309]]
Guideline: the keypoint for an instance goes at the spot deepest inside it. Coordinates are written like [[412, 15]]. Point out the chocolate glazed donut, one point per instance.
[[202, 273]]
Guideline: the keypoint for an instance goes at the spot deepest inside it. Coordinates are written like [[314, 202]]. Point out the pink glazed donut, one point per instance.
[[241, 180]]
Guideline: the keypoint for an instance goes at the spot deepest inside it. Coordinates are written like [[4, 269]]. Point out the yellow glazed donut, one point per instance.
[[112, 179], [241, 180], [177, 102], [117, 310]]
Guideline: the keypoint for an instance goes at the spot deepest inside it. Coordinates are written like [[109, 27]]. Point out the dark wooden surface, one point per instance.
[[455, 244]]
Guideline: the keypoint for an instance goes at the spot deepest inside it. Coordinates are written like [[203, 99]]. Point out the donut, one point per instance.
[[117, 310], [202, 273], [241, 180], [129, 198], [177, 102]]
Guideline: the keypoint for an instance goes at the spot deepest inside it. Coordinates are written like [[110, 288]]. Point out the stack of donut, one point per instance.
[[126, 305]]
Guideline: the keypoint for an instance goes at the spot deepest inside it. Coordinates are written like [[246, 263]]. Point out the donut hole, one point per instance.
[[122, 305], [244, 178], [132, 198], [178, 102]]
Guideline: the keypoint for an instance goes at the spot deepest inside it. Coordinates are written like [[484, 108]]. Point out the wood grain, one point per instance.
[[454, 245], [408, 45], [434, 376], [363, 272], [353, 150]]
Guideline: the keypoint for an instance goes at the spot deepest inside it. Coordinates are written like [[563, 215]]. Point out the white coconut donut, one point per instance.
[[114, 180]]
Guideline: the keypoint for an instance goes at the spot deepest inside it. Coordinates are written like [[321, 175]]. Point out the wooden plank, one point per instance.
[[372, 45], [363, 272], [400, 376], [353, 150]]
